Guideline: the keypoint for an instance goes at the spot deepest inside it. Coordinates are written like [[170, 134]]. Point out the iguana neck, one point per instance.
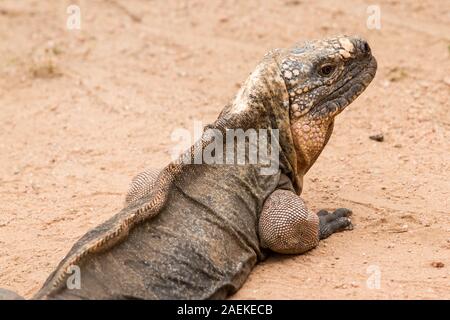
[[263, 102]]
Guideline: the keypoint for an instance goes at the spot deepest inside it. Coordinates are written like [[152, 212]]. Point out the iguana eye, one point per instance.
[[327, 69]]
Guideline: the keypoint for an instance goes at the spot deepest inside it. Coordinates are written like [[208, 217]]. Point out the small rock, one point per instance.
[[293, 3], [437, 264], [400, 229], [377, 137], [224, 20]]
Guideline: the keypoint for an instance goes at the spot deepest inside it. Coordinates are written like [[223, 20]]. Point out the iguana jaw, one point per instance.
[[354, 82]]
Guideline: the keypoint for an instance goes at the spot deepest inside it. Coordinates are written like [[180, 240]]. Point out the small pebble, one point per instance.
[[437, 264], [377, 137]]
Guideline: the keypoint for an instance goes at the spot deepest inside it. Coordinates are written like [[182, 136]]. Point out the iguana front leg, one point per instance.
[[287, 226]]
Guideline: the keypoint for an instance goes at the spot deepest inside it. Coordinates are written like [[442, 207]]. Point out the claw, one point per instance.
[[334, 222], [350, 227], [342, 212], [322, 213]]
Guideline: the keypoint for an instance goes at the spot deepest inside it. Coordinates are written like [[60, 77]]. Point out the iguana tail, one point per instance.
[[9, 295]]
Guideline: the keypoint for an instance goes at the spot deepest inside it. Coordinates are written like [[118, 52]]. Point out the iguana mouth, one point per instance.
[[354, 82]]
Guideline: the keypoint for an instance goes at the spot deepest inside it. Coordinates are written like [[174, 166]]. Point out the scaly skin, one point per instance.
[[298, 91]]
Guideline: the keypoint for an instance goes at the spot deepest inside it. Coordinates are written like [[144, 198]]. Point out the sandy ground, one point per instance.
[[83, 111]]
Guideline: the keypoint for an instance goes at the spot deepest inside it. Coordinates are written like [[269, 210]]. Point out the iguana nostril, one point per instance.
[[365, 47]]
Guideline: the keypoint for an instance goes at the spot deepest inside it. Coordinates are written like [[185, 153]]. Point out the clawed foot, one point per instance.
[[330, 223]]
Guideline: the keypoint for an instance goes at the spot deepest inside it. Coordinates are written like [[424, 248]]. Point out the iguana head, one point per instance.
[[322, 77], [299, 91]]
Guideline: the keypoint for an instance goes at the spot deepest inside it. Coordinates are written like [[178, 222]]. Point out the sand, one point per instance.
[[83, 111]]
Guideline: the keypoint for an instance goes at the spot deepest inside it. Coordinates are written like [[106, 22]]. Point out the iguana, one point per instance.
[[196, 230]]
